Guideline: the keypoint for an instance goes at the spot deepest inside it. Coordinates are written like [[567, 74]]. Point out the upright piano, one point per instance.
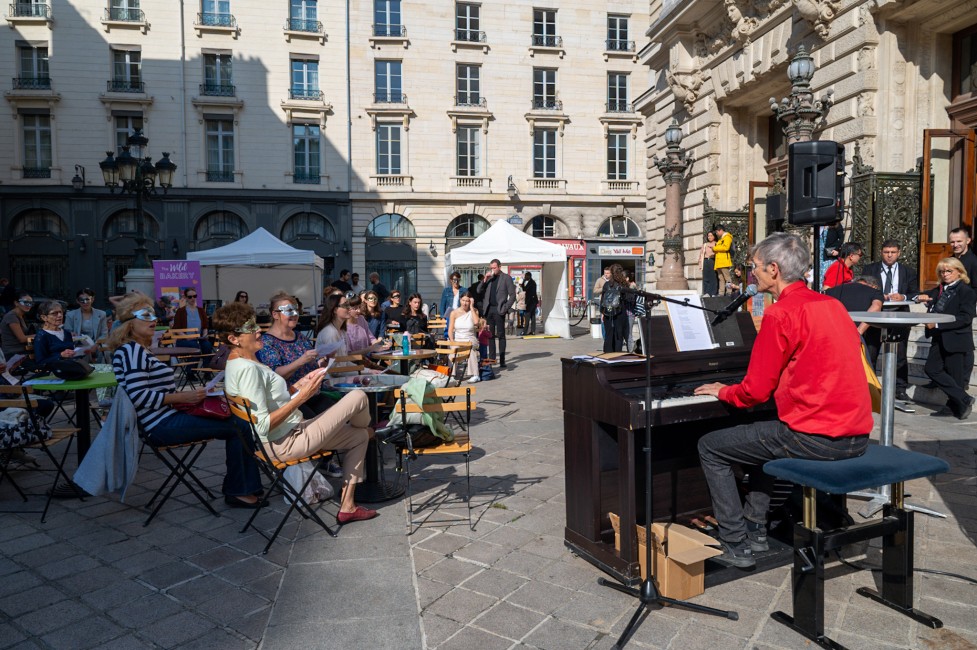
[[604, 423]]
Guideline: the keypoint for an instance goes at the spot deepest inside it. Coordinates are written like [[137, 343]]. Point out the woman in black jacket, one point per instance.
[[612, 308], [951, 354]]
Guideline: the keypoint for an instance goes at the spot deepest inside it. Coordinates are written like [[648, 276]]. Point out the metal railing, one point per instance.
[[542, 40], [389, 30], [305, 93], [389, 98], [617, 45], [470, 35], [29, 10], [306, 177], [303, 25], [125, 86], [36, 172], [220, 176], [209, 19], [470, 99], [619, 106], [32, 83], [125, 15], [218, 90], [547, 104]]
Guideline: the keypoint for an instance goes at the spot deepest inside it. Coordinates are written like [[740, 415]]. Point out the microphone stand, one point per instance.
[[648, 594]]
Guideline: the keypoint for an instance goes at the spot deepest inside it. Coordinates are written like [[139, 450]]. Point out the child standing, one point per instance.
[[484, 335]]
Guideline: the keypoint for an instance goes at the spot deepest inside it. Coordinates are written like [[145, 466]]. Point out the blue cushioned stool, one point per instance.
[[878, 466]]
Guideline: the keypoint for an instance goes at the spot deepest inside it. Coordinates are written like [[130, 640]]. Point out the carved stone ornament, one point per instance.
[[743, 26], [819, 13], [685, 86]]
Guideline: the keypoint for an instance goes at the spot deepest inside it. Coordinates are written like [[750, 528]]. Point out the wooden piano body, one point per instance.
[[604, 424]]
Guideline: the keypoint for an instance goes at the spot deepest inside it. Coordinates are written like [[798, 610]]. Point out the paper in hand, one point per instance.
[[211, 385]]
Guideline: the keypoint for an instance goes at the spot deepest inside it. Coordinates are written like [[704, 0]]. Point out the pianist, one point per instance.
[[807, 356]]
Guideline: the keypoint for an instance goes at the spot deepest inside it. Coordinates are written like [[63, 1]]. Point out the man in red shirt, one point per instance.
[[807, 355]]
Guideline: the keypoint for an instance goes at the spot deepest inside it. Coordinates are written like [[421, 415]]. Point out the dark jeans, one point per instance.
[[951, 372], [615, 332], [752, 445], [496, 323], [243, 476], [530, 323]]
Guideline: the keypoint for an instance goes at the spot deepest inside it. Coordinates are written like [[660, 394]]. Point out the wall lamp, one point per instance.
[[78, 181], [432, 249], [176, 247], [345, 247], [81, 242], [511, 188]]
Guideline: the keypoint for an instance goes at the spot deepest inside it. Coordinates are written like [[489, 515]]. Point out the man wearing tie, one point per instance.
[[899, 282]]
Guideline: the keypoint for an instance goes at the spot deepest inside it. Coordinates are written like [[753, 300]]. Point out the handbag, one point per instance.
[[874, 385], [69, 369], [212, 408]]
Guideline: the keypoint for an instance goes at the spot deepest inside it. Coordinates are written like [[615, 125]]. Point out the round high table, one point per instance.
[[885, 320], [405, 359]]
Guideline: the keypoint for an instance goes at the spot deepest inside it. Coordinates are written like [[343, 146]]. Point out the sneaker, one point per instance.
[[333, 469], [967, 410], [738, 554], [756, 534], [474, 379]]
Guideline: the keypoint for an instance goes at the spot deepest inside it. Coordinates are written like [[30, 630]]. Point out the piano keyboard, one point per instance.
[[684, 400]]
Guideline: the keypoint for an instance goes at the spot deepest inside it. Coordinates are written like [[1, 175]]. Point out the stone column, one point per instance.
[[673, 169]]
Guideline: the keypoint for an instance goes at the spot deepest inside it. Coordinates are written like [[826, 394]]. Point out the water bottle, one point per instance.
[[405, 343]]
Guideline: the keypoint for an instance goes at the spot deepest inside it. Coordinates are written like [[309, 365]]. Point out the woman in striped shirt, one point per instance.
[[149, 384]]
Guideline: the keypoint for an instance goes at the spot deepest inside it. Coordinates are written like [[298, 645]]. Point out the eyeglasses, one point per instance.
[[456, 279], [84, 301], [394, 296], [191, 296], [249, 327], [287, 310], [371, 299], [26, 303], [147, 315], [52, 314], [343, 305], [941, 271]]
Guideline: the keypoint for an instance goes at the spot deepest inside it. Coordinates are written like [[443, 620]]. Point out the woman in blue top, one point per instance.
[[451, 299], [52, 342], [375, 317]]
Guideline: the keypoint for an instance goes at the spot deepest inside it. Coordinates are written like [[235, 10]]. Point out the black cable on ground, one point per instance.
[[861, 567]]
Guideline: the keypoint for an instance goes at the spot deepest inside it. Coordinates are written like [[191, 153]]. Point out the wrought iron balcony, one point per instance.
[[470, 35], [389, 98], [125, 86], [125, 15], [306, 177], [218, 90], [29, 10], [32, 83], [619, 106], [36, 172], [389, 30], [303, 25], [618, 45], [220, 176], [547, 104], [471, 99], [542, 40], [216, 20], [313, 94]]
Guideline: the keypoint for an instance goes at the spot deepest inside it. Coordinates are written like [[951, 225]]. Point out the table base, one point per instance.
[[65, 491]]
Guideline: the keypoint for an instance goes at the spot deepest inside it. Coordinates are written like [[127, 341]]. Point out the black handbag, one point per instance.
[[69, 369]]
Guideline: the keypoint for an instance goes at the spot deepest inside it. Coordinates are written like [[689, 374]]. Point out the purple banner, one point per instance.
[[173, 277]]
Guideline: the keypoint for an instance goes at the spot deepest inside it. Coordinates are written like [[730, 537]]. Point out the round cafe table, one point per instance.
[[405, 359]]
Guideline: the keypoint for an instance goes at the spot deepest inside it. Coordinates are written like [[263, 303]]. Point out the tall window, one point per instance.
[[34, 72], [386, 18], [306, 147], [617, 34], [125, 124], [388, 149], [388, 82], [544, 28], [469, 151], [303, 16], [217, 75], [617, 92], [305, 79], [34, 8], [544, 153], [542, 226], [217, 13], [618, 226], [466, 22], [220, 150], [544, 89], [391, 225], [37, 146], [468, 85], [125, 10], [617, 156], [126, 71], [217, 227], [305, 225]]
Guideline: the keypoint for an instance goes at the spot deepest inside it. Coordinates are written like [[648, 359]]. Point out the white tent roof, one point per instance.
[[260, 248], [507, 243]]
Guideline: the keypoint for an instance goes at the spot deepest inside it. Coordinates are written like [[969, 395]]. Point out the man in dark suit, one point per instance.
[[899, 282], [532, 301], [498, 295], [960, 244]]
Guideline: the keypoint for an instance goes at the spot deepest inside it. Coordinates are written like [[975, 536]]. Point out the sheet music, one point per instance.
[[219, 377], [690, 327]]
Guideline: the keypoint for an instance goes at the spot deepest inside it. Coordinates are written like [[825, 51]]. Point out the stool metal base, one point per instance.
[[911, 612], [822, 640], [876, 500]]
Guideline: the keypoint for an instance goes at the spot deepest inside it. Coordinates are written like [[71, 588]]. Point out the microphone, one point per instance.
[[750, 291]]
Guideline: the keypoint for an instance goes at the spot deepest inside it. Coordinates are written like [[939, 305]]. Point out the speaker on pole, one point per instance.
[[816, 190]]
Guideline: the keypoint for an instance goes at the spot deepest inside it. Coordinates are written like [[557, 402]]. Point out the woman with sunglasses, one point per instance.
[[393, 312], [13, 327], [414, 320], [451, 298], [191, 316], [359, 338], [275, 405], [86, 320], [242, 297], [376, 320], [332, 326], [150, 385]]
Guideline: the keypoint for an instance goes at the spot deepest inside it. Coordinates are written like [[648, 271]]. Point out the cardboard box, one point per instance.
[[679, 554]]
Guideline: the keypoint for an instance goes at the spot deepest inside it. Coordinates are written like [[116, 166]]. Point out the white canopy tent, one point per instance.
[[513, 248], [260, 264]]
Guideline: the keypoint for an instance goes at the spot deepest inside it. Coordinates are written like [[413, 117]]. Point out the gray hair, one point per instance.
[[870, 280], [788, 251]]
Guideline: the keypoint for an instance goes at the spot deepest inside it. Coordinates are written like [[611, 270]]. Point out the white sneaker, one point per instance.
[[474, 379]]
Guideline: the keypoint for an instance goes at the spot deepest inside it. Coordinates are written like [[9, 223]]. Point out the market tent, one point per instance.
[[514, 247], [260, 264]]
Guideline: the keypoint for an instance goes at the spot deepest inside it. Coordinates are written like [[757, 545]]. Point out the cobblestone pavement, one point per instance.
[[94, 576]]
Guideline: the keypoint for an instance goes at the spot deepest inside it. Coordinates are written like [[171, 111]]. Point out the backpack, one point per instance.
[[610, 299]]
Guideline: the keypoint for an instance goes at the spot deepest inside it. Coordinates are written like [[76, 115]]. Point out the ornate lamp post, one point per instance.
[[801, 111], [138, 176], [673, 168]]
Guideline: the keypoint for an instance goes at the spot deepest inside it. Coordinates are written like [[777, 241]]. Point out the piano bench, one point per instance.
[[877, 466]]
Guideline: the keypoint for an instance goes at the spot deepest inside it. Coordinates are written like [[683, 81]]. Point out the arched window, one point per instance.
[[542, 226], [390, 225], [39, 222], [467, 226], [619, 226], [123, 224], [308, 225], [218, 226]]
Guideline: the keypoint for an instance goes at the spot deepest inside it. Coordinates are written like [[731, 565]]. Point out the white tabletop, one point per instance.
[[898, 318], [898, 303]]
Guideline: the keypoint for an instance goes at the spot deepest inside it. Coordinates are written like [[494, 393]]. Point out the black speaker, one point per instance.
[[775, 213], [816, 190]]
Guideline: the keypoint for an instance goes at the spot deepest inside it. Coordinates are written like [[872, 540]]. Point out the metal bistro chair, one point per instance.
[[274, 469]]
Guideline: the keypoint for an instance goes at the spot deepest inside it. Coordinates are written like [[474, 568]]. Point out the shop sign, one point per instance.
[[621, 251], [574, 247]]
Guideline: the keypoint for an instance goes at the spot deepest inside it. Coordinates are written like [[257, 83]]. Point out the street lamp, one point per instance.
[[78, 181], [140, 177], [511, 188], [801, 110], [673, 168]]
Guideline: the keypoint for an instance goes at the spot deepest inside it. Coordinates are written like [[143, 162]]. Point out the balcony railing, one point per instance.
[[36, 172], [218, 90], [389, 98], [547, 104], [220, 176], [306, 177], [617, 45], [621, 185], [32, 83], [619, 106], [542, 40], [216, 20], [469, 181], [313, 94], [390, 180], [303, 25], [125, 15], [470, 100], [29, 10], [548, 183], [389, 30], [470, 35], [125, 86]]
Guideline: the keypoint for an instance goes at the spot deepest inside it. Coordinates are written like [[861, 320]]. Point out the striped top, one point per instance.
[[146, 380]]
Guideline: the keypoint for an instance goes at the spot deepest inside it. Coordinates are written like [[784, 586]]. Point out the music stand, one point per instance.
[[648, 594]]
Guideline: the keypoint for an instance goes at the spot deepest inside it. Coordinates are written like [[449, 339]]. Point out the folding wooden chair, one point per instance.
[[406, 452], [22, 397], [274, 469]]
